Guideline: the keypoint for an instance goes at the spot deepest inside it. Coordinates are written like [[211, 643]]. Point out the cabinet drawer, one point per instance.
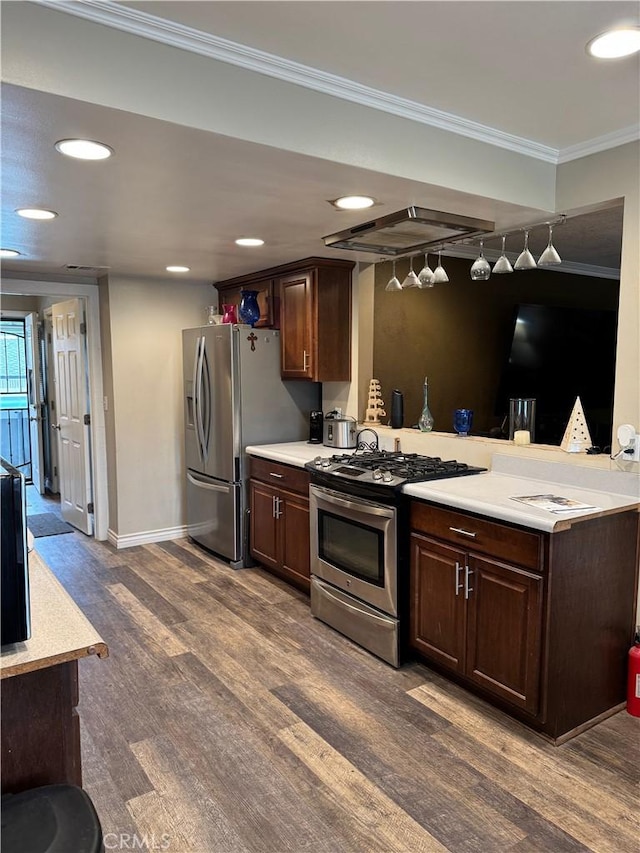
[[476, 534], [285, 476]]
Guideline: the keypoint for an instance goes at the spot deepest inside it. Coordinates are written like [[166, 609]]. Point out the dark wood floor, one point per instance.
[[228, 719]]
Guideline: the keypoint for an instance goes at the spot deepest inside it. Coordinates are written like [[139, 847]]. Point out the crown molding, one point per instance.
[[186, 38], [600, 143], [173, 34]]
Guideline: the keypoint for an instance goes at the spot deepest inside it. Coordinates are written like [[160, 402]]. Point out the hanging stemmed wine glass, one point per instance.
[[550, 256], [411, 279], [525, 260], [480, 269], [394, 282], [425, 276], [439, 274], [503, 264]]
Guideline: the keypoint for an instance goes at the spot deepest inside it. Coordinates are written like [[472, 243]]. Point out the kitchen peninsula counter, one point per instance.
[[40, 738], [489, 494]]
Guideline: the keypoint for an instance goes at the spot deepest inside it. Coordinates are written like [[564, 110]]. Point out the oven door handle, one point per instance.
[[340, 600], [362, 506]]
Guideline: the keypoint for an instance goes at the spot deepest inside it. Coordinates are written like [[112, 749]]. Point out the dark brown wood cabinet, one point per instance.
[[540, 624], [315, 323], [279, 501], [479, 618], [310, 302]]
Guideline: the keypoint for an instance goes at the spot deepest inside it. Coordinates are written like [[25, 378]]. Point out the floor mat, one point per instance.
[[47, 524]]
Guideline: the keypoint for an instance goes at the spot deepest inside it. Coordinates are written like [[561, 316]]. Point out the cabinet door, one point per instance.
[[294, 537], [296, 326], [437, 620], [264, 544], [504, 631]]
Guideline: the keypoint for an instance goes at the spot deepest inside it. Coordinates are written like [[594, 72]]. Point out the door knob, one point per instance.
[[55, 426], [35, 419]]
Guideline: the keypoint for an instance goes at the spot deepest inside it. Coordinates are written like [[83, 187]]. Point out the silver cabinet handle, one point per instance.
[[467, 589], [273, 506], [463, 532], [279, 476], [278, 510], [459, 585], [305, 360]]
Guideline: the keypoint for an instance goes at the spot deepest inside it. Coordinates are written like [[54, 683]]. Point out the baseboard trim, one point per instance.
[[146, 537]]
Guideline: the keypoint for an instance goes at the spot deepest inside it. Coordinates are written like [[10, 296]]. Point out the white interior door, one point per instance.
[[34, 386], [72, 411]]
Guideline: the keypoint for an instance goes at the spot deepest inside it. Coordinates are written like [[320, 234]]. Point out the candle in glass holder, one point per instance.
[[522, 436]]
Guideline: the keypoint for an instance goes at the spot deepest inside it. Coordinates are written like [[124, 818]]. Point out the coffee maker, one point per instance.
[[316, 424]]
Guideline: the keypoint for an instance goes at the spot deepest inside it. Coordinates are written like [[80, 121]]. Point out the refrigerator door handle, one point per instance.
[[205, 484], [197, 391]]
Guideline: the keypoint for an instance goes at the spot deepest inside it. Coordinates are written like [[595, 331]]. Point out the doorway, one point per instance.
[[15, 440], [57, 292]]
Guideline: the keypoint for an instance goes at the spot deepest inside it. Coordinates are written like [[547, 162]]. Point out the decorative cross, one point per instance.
[[253, 338]]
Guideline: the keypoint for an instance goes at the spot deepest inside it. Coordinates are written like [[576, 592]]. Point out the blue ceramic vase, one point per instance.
[[249, 308]]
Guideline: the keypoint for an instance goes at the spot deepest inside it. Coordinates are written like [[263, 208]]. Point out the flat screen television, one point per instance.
[[557, 354], [14, 567]]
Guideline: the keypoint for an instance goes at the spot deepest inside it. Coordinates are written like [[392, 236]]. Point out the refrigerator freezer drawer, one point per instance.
[[214, 515]]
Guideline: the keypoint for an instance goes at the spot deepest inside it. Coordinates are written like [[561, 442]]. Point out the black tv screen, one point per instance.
[[556, 355]]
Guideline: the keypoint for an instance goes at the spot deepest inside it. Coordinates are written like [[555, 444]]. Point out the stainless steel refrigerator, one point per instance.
[[234, 397]]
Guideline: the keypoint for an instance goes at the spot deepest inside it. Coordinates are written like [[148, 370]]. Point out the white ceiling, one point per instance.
[[518, 67]]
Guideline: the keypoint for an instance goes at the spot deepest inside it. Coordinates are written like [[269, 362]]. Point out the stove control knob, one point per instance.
[[377, 474], [326, 463], [387, 476], [317, 461]]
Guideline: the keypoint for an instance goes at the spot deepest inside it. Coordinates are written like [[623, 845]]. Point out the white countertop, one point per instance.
[[491, 494], [296, 453], [488, 494]]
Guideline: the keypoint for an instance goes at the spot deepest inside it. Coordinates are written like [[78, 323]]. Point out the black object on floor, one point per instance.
[[51, 819], [47, 524]]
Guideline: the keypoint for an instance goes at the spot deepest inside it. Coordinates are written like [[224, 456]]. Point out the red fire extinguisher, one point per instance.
[[633, 683]]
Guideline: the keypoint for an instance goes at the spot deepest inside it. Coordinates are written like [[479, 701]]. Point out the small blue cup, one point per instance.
[[462, 421]]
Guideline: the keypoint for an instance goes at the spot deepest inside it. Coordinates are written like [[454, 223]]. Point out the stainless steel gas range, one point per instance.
[[359, 572]]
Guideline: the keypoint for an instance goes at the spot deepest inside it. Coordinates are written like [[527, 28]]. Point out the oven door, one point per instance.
[[354, 546]]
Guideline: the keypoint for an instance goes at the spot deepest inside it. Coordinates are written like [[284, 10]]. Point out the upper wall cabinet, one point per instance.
[[311, 304]]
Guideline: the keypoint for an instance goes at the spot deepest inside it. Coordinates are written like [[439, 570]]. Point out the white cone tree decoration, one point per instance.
[[576, 436]]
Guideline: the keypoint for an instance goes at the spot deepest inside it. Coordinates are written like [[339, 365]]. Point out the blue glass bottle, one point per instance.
[[249, 308]]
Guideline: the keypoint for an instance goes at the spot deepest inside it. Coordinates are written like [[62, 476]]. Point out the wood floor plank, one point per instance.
[[156, 632], [446, 805], [179, 812], [536, 774], [386, 821]]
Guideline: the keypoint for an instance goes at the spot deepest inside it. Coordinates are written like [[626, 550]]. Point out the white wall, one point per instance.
[[146, 322]]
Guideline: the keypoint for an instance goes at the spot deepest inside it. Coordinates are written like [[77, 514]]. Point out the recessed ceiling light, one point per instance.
[[8, 253], [354, 202], [36, 213], [615, 44], [84, 149], [249, 241], [178, 269]]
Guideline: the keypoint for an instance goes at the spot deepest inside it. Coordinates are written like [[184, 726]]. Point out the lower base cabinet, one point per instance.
[[280, 520], [479, 618], [538, 624]]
